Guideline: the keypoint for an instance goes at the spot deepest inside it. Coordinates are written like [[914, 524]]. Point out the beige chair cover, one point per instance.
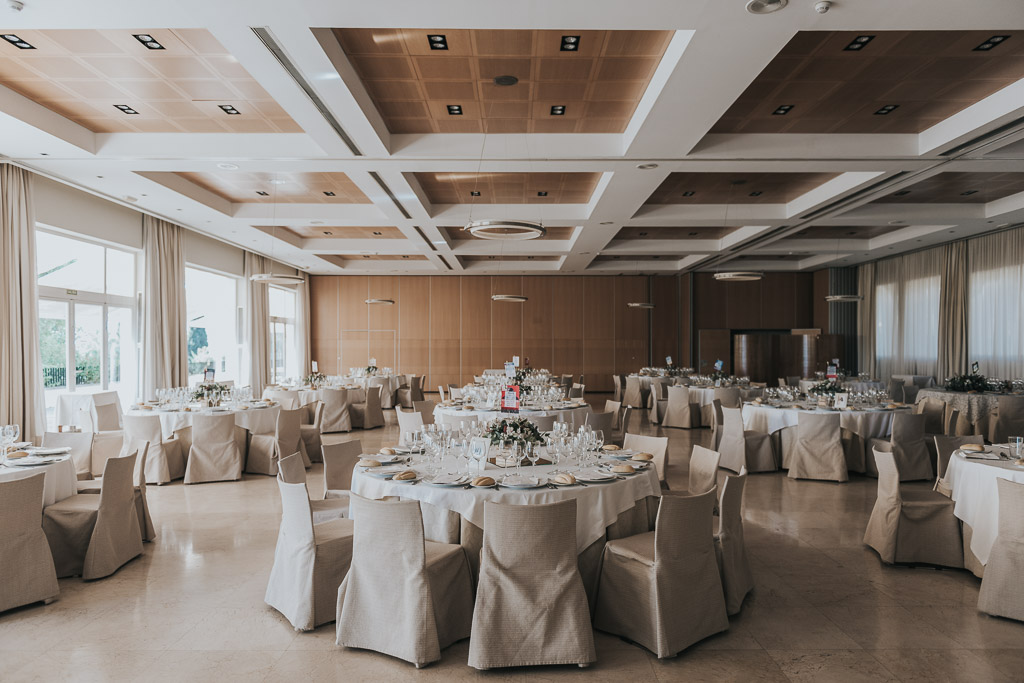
[[80, 444], [952, 421], [1000, 588], [577, 390], [26, 565], [680, 410], [793, 380], [310, 561], [717, 424], [617, 385], [336, 416], [896, 387], [454, 392], [703, 475], [730, 398], [944, 447], [387, 398], [309, 430], [655, 445], [1009, 419], [214, 455], [408, 396], [106, 412], [744, 448], [339, 462], [94, 535], [603, 422], [908, 445], [94, 486], [633, 395], [934, 411], [545, 423], [530, 604], [165, 461], [289, 400], [440, 391], [616, 408], [912, 525], [403, 596], [293, 471], [817, 452], [368, 415], [407, 422], [730, 547], [266, 449], [426, 410], [662, 589]]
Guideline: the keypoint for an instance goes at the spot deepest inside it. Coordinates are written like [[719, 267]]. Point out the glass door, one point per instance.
[[55, 351], [122, 366], [88, 347]]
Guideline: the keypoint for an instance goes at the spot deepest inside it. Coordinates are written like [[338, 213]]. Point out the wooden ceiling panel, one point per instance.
[[958, 188], [471, 258], [344, 232], [608, 66], [555, 233], [342, 259], [736, 188], [930, 75], [508, 188], [83, 74], [636, 232], [291, 188], [846, 232], [635, 257]]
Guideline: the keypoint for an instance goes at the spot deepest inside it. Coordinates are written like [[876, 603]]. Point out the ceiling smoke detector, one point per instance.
[[765, 6]]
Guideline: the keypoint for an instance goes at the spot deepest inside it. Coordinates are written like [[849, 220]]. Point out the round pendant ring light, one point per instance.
[[739, 276], [640, 304], [505, 230], [381, 302], [513, 298]]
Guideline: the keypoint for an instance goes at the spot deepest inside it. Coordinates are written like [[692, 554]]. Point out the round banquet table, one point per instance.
[[573, 415], [58, 484], [849, 385], [389, 384], [976, 496], [306, 395], [256, 420], [975, 409]]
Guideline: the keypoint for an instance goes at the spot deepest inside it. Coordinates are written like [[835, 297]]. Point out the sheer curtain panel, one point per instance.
[[996, 330], [166, 325], [953, 312], [302, 328], [866, 319], [257, 306], [21, 368], [906, 308]]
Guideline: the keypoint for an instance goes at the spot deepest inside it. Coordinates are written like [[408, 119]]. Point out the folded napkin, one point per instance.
[[519, 480], [450, 479]]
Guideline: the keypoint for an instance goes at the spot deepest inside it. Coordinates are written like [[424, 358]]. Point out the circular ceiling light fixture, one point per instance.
[[739, 276], [505, 80], [272, 279], [380, 302], [640, 304], [843, 298], [227, 167], [647, 167], [512, 298], [505, 230], [765, 6]]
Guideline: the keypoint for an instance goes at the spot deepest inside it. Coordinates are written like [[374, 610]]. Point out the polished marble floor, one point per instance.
[[824, 608]]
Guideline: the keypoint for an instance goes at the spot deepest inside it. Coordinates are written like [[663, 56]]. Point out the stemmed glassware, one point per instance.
[[9, 435]]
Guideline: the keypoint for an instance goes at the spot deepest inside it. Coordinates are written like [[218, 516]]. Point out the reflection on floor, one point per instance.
[[824, 607]]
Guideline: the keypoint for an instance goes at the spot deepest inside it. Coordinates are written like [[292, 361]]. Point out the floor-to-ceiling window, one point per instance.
[[212, 310], [87, 318], [283, 352]]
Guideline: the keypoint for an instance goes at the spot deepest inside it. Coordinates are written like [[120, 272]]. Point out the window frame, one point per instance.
[[280, 320], [240, 342]]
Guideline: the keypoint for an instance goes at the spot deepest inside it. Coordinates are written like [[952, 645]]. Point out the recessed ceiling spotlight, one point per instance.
[[968, 193], [990, 43], [316, 222], [642, 234], [278, 181], [689, 193], [558, 110], [542, 193], [227, 167], [328, 193], [646, 167], [378, 233], [437, 41], [858, 43], [17, 42], [454, 110], [693, 234], [129, 198], [570, 44], [756, 193], [607, 222], [765, 6], [262, 193], [474, 193], [125, 108], [887, 109], [782, 110], [901, 193], [148, 41], [328, 233], [229, 109], [505, 80]]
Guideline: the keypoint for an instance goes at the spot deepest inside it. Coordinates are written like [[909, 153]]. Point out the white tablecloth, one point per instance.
[[974, 408], [977, 497], [256, 420], [867, 424], [58, 484], [922, 381], [573, 415], [355, 394], [598, 505]]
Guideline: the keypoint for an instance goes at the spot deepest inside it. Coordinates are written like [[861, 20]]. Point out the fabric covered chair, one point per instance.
[[80, 444], [405, 597], [531, 607], [633, 395], [26, 564], [616, 408], [1008, 420], [703, 474], [387, 398], [783, 382], [440, 391], [729, 398], [617, 384], [944, 447], [95, 535], [454, 392], [545, 423], [741, 448], [336, 416], [655, 445], [793, 380], [577, 390], [717, 425], [289, 400], [310, 561], [908, 446], [603, 422], [309, 429], [214, 455], [730, 546], [910, 392], [934, 411], [681, 410], [165, 461], [266, 449], [662, 589], [896, 390], [105, 412], [407, 422], [426, 410], [368, 415], [817, 452], [339, 462], [951, 422], [292, 471], [1000, 593], [912, 525], [95, 486], [408, 396]]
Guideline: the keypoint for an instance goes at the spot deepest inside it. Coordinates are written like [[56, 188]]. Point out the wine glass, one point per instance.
[[533, 453]]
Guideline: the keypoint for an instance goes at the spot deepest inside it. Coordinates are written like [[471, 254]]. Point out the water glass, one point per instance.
[[1016, 444]]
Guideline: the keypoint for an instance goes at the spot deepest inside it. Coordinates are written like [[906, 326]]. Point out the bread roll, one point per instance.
[[565, 478], [972, 447], [611, 447], [405, 476], [16, 454], [369, 462], [483, 481], [623, 469], [386, 451], [643, 457]]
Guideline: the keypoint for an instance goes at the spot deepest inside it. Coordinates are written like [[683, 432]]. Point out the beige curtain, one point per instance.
[[953, 312], [257, 306], [21, 367], [302, 326], [995, 314], [866, 319], [906, 302], [165, 335]]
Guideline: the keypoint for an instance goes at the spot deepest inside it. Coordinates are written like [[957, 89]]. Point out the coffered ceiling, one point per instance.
[[672, 136]]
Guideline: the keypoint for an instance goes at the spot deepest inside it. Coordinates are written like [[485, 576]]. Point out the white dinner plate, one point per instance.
[[595, 477], [521, 481], [449, 480], [30, 461], [384, 472], [40, 451]]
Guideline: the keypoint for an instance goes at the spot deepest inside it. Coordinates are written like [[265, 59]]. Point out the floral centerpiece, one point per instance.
[[315, 379], [204, 392], [826, 388], [370, 370], [518, 429], [965, 382], [719, 375]]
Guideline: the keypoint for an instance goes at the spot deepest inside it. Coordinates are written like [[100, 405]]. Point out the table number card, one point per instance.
[[316, 368], [479, 447], [510, 399], [510, 369], [668, 360], [515, 361]]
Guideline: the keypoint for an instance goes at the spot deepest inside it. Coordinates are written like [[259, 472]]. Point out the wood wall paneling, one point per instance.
[[665, 320], [445, 315], [686, 355], [476, 327], [506, 320], [537, 321], [354, 317], [632, 325], [567, 326], [382, 321], [819, 289], [712, 346], [324, 323], [414, 327], [599, 330]]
